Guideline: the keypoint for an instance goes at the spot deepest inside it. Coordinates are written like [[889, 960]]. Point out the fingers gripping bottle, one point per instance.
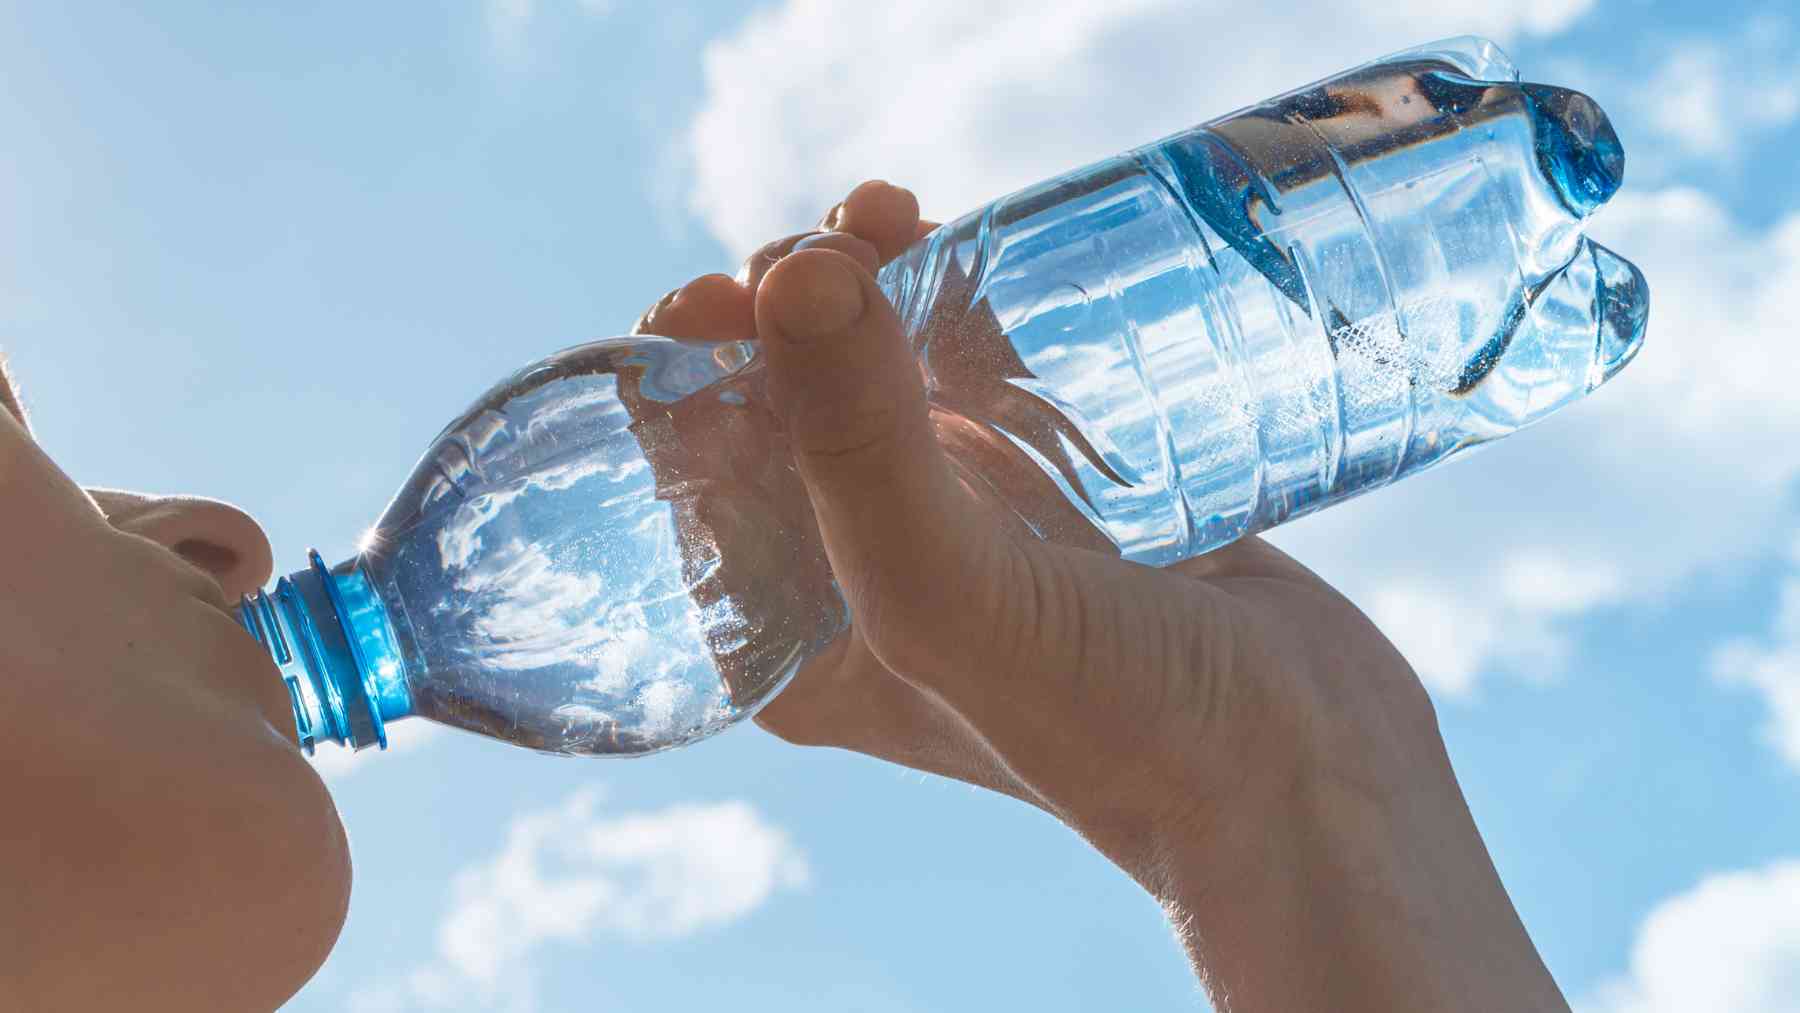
[[611, 553]]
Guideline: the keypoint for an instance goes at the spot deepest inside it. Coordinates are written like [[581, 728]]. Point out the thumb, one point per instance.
[[925, 566]]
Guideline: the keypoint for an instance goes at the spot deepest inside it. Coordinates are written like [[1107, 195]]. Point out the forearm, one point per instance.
[[1340, 903]]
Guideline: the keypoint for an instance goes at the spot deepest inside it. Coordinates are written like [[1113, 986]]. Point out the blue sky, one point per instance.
[[263, 254]]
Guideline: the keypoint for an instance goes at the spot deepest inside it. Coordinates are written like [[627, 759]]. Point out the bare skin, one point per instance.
[[1231, 731], [167, 846]]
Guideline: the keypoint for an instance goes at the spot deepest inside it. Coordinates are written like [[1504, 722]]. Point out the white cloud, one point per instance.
[[1449, 636], [571, 875], [509, 26], [1682, 463], [1709, 96], [964, 102], [1483, 566], [566, 873], [1772, 668], [1536, 581], [508, 21], [1729, 945]]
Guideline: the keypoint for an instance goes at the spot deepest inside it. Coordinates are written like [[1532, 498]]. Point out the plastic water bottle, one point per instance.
[[611, 552]]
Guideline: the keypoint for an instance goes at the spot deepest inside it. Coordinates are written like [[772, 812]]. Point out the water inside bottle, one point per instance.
[[1298, 302], [612, 553]]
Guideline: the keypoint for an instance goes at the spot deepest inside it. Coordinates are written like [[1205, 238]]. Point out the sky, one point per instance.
[[263, 253]]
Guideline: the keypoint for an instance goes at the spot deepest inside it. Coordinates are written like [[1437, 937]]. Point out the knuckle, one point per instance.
[[865, 423], [792, 723], [647, 319], [766, 256]]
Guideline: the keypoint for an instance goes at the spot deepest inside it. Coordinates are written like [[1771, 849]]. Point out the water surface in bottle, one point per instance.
[[611, 552]]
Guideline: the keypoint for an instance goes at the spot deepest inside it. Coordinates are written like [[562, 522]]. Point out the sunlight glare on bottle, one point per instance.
[[611, 552]]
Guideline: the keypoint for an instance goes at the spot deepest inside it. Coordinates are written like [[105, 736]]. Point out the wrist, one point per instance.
[[1337, 898]]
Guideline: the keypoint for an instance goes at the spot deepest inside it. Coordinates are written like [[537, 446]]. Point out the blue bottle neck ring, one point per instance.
[[330, 635]]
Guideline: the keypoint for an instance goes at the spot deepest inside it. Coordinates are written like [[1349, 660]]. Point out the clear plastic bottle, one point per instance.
[[611, 552]]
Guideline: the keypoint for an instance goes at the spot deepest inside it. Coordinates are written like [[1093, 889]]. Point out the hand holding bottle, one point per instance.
[[612, 551], [1229, 730]]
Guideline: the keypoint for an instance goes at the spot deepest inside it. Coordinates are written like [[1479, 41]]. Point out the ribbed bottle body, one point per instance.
[[1282, 308]]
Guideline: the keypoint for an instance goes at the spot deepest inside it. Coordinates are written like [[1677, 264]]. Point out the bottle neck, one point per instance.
[[329, 633]]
